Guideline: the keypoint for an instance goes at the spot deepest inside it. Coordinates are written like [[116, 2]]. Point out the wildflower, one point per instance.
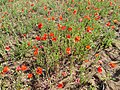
[[99, 69], [75, 12], [69, 29], [60, 85], [38, 38], [115, 21], [97, 17], [59, 25], [48, 19], [24, 67], [7, 48], [77, 81], [5, 69], [24, 35], [18, 68], [63, 27], [64, 74], [40, 25], [77, 38], [54, 39], [111, 3], [35, 52], [68, 36], [86, 61], [87, 17], [89, 29], [60, 18], [88, 47], [39, 70], [112, 65], [30, 75], [113, 27], [45, 7], [80, 20], [100, 62], [41, 46], [28, 43], [51, 34], [53, 18], [96, 55], [48, 12], [32, 4], [108, 24], [68, 50], [68, 9], [89, 2], [44, 38]]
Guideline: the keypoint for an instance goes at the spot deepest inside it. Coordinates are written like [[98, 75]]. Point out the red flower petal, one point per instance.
[[40, 25], [30, 75], [39, 70], [99, 69], [7, 48], [60, 85], [38, 38]]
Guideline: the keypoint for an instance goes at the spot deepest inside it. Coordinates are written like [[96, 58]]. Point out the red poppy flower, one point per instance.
[[99, 69], [24, 67], [60, 85], [80, 20], [44, 38], [86, 61], [113, 27], [5, 69], [88, 47], [77, 38], [75, 12], [68, 36], [89, 29], [30, 75], [54, 39], [53, 18], [97, 17], [48, 12], [64, 74], [45, 7], [77, 81], [18, 68], [38, 38], [32, 4], [68, 50], [112, 65], [51, 34], [87, 17], [108, 24], [96, 55], [111, 3], [69, 29], [24, 35], [39, 70], [63, 27], [7, 48], [28, 43], [60, 18], [35, 52], [40, 25]]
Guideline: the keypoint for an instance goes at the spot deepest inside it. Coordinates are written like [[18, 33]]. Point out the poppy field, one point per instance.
[[59, 45]]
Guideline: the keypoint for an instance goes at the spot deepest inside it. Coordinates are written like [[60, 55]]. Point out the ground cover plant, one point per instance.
[[59, 44]]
